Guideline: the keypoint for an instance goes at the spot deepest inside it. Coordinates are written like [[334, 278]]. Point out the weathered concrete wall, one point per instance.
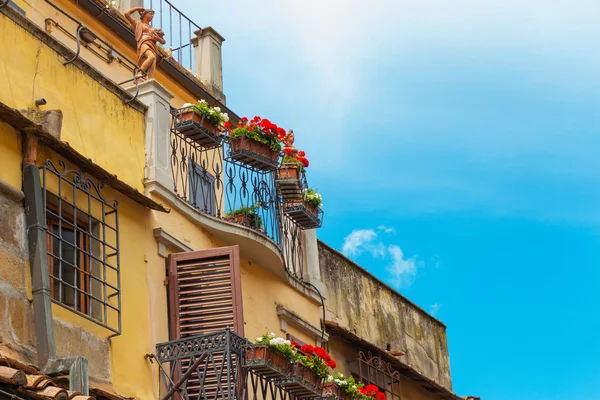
[[364, 305]]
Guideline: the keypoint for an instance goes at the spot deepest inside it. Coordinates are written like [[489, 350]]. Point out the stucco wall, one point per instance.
[[374, 312], [96, 122]]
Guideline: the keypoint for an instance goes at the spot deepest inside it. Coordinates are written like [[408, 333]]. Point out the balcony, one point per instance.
[[236, 182], [218, 366]]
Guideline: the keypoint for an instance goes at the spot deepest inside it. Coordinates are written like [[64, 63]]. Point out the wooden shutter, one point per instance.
[[205, 292]]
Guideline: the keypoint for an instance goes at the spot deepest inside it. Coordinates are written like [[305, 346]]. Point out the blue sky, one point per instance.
[[455, 145]]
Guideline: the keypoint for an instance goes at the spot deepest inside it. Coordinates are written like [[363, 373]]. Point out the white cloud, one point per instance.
[[362, 240], [434, 309], [402, 271], [386, 229]]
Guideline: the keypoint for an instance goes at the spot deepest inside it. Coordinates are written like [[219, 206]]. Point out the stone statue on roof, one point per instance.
[[146, 37]]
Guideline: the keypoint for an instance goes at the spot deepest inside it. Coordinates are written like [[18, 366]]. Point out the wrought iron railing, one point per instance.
[[214, 367], [203, 367], [178, 28], [235, 182], [208, 178]]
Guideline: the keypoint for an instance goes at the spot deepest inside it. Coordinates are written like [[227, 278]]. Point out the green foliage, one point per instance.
[[315, 363], [312, 197], [211, 114], [251, 213], [255, 133], [348, 384], [281, 345]]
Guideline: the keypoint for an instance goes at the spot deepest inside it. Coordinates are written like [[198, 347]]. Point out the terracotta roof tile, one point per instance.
[[33, 385], [12, 376]]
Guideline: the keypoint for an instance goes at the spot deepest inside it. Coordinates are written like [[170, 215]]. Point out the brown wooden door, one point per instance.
[[205, 292]]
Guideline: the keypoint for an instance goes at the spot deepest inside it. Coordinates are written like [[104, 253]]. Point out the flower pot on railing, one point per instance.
[[237, 219], [253, 153], [266, 361], [302, 382], [331, 391], [198, 128], [288, 181], [303, 213]]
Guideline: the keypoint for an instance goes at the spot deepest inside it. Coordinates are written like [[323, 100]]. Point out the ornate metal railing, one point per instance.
[[179, 30], [207, 177], [202, 367], [229, 179], [214, 367]]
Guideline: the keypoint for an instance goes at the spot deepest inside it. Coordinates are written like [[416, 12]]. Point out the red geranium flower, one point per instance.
[[294, 344], [227, 125], [307, 349], [287, 150], [380, 396], [301, 153]]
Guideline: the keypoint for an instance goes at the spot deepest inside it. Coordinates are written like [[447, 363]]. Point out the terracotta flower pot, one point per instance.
[[335, 392], [191, 115], [238, 218], [289, 171], [246, 150], [303, 382], [266, 361], [313, 209]]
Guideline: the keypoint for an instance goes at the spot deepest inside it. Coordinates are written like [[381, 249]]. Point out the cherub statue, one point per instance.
[[288, 143], [146, 37]]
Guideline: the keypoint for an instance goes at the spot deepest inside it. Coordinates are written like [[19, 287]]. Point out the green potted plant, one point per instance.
[[246, 216], [309, 371], [202, 123], [256, 142], [339, 387], [313, 200], [270, 356]]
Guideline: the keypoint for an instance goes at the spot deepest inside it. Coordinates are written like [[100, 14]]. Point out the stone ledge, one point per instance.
[[11, 192]]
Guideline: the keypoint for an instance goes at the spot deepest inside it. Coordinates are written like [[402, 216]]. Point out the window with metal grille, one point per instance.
[[82, 245], [375, 370]]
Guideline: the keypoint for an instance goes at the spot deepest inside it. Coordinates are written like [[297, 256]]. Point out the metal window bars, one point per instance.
[[375, 370], [83, 245]]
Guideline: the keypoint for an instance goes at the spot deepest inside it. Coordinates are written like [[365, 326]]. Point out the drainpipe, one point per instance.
[[49, 364]]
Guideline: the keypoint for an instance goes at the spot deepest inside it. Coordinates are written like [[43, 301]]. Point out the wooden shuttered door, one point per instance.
[[205, 293], [205, 296]]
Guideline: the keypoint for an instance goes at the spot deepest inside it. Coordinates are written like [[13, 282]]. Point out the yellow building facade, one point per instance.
[[119, 241]]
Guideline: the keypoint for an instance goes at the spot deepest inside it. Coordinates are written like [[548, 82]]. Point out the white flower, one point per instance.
[[271, 335], [329, 378], [187, 105], [258, 339], [218, 109], [225, 117], [288, 342], [277, 341], [342, 375], [201, 101]]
